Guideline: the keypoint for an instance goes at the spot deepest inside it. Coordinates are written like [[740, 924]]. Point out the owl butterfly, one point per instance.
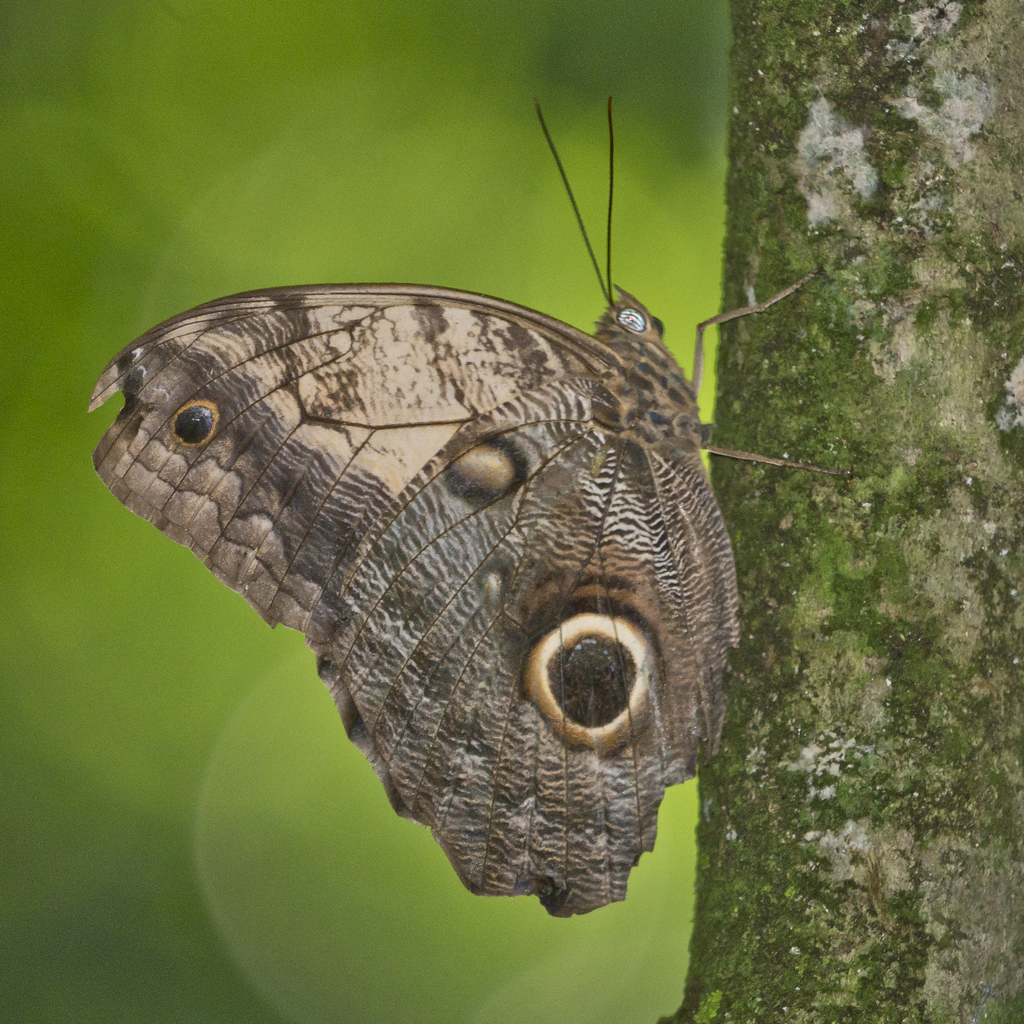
[[495, 532]]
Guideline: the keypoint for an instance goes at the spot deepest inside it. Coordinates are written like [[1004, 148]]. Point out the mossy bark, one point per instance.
[[862, 829]]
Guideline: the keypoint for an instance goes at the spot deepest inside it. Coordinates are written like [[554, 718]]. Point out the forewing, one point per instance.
[[325, 402]]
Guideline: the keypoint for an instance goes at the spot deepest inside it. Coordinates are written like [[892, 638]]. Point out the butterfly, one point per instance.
[[495, 531]]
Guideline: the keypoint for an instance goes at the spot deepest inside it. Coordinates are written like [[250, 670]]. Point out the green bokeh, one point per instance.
[[186, 833]]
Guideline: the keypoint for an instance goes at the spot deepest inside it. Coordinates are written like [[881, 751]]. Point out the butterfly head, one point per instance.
[[630, 320], [634, 332], [653, 396]]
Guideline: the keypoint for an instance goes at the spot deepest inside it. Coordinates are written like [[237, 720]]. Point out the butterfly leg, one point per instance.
[[698, 352], [732, 453], [698, 369]]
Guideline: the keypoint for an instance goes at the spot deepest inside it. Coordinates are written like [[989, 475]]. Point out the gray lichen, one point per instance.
[[966, 102], [1011, 413], [830, 149]]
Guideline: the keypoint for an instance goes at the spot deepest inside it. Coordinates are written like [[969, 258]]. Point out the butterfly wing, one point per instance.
[[522, 614], [529, 665], [267, 431]]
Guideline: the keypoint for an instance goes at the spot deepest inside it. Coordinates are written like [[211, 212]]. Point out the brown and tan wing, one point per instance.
[[267, 431], [529, 646], [522, 615]]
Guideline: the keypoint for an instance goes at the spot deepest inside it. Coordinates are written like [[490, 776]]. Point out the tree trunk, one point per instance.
[[862, 829]]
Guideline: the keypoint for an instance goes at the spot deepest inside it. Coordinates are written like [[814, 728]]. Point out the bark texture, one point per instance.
[[862, 829]]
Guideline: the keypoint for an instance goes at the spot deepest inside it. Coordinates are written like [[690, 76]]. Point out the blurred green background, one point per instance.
[[186, 833]]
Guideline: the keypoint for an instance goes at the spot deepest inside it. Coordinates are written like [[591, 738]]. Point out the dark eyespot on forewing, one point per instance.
[[195, 422]]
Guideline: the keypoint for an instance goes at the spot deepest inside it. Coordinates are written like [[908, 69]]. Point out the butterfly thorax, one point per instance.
[[651, 398]]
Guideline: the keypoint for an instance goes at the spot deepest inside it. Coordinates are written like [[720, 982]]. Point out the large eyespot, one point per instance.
[[632, 319], [195, 422], [486, 472], [589, 678]]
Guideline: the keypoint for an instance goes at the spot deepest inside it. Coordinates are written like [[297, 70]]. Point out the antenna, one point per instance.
[[572, 199], [611, 192]]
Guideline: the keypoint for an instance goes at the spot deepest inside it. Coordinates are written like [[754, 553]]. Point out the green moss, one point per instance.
[[869, 768], [997, 1011], [708, 1010]]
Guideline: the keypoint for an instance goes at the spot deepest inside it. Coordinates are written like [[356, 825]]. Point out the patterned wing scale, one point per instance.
[[520, 593]]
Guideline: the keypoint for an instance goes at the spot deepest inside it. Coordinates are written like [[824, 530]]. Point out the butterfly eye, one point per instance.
[[633, 320], [195, 422]]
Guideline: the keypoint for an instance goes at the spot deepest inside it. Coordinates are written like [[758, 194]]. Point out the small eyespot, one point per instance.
[[632, 319], [195, 422], [487, 472]]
